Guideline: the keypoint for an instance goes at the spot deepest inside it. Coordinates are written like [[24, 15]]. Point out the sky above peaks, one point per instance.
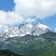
[[7, 5], [16, 12]]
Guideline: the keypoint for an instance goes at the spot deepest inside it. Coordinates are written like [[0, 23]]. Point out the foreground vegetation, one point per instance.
[[8, 53], [37, 53]]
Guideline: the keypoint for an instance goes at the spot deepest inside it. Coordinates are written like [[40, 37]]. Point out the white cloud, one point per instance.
[[38, 8], [25, 9], [3, 16], [29, 20], [14, 18], [3, 27], [55, 30], [28, 8], [10, 18]]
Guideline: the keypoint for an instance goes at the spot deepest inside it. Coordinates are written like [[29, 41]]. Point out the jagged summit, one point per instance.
[[38, 29], [42, 26]]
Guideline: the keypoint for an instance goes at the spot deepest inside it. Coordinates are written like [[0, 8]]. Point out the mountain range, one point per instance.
[[25, 29], [29, 40]]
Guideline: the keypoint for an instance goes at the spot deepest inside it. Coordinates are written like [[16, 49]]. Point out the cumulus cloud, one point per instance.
[[10, 18], [25, 9], [2, 17], [38, 8], [14, 18]]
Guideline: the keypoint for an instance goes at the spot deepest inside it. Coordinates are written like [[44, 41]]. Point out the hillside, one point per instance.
[[8, 53]]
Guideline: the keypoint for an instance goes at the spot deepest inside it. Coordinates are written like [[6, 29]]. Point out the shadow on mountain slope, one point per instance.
[[8, 53]]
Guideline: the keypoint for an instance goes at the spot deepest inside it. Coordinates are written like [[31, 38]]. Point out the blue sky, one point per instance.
[[9, 5], [49, 21]]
